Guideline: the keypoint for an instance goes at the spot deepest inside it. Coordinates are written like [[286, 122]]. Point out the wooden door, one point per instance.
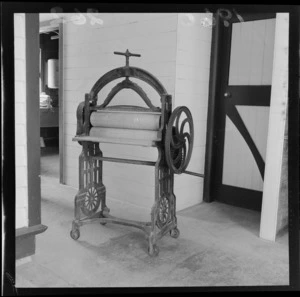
[[242, 110]]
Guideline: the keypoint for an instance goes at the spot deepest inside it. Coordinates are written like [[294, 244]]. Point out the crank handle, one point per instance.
[[193, 173]]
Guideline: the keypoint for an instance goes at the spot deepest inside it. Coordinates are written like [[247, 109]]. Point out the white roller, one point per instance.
[[126, 120], [124, 133]]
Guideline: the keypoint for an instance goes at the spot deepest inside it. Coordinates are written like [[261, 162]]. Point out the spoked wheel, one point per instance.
[[176, 153], [174, 233], [75, 234], [164, 212], [102, 216], [91, 200], [179, 139]]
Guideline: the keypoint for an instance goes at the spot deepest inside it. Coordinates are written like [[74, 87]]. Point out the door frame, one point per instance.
[[218, 55], [25, 236], [61, 103]]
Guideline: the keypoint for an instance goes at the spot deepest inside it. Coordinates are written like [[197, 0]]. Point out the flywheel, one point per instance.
[[179, 139]]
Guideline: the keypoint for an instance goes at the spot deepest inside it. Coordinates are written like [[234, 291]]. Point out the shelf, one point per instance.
[[128, 141]]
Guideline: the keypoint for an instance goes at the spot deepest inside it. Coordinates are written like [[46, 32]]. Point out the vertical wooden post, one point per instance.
[[61, 104], [277, 121], [25, 236], [33, 118]]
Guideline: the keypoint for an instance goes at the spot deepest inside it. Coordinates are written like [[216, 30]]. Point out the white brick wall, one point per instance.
[[20, 122], [177, 56], [88, 54], [191, 89]]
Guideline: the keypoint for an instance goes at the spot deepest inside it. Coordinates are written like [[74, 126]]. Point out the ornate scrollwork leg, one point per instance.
[[164, 211], [153, 249], [98, 176], [91, 192], [175, 231], [75, 233]]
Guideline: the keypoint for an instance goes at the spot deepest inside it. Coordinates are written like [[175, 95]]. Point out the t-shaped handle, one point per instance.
[[127, 54]]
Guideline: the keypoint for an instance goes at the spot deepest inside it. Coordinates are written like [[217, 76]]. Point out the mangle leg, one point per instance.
[[98, 165], [75, 233], [153, 249], [175, 231], [92, 192]]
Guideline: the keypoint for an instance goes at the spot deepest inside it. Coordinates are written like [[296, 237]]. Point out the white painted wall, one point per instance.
[[191, 89], [20, 122], [176, 53]]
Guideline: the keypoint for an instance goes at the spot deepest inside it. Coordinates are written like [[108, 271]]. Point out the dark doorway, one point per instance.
[[49, 102]]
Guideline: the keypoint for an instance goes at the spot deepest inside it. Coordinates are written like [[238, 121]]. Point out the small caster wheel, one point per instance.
[[102, 223], [155, 251], [174, 233], [106, 209], [75, 234]]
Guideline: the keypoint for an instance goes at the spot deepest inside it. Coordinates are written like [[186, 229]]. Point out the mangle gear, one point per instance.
[[172, 133]]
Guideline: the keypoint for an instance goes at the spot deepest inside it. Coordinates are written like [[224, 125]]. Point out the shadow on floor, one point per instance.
[[225, 215], [50, 162]]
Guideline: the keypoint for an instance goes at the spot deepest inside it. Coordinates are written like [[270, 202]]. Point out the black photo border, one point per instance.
[[8, 149]]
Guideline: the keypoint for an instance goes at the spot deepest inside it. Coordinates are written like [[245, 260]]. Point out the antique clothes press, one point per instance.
[[170, 132]]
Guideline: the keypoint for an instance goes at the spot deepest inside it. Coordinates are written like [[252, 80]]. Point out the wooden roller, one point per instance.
[[136, 120]]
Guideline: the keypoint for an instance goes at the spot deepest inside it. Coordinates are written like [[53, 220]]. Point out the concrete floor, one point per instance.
[[218, 246]]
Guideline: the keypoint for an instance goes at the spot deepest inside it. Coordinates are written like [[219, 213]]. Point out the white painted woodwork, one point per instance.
[[239, 166], [20, 121], [256, 119], [191, 89], [277, 122], [251, 61], [252, 53]]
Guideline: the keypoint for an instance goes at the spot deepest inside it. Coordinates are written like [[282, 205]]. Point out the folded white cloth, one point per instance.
[[45, 100]]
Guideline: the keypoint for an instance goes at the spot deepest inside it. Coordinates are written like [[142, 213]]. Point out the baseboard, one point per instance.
[[23, 261], [25, 246], [25, 240]]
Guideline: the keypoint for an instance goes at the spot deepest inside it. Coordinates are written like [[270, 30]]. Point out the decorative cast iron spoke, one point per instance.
[[177, 154], [163, 212], [91, 201]]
